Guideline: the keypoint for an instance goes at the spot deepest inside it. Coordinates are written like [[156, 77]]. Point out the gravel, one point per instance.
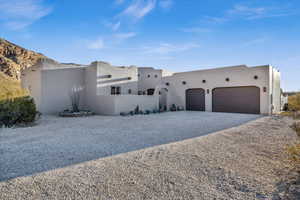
[[58, 142], [244, 162]]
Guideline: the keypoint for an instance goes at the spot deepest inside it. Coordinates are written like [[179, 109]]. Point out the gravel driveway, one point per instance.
[[59, 142], [241, 163]]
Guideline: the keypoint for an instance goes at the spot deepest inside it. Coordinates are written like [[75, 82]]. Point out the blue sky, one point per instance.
[[178, 35]]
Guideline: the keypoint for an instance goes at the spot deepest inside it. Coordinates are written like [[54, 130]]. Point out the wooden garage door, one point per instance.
[[195, 99], [237, 100]]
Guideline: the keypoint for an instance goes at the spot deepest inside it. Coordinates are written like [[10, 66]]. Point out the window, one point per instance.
[[151, 91], [115, 90]]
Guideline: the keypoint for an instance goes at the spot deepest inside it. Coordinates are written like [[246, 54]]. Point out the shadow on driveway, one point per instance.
[[60, 142]]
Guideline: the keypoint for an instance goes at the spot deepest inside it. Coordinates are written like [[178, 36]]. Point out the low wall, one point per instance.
[[115, 104], [126, 103]]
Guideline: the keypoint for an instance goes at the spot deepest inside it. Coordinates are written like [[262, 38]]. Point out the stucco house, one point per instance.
[[110, 90]]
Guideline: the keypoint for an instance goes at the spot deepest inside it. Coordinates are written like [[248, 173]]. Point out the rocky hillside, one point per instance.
[[14, 58]]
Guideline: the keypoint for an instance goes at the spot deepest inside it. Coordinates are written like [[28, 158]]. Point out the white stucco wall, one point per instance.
[[31, 80], [148, 78], [276, 91], [56, 89], [98, 89], [126, 103], [51, 83], [118, 78], [238, 75]]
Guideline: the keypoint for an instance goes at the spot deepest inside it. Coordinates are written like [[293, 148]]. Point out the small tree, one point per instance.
[[75, 94]]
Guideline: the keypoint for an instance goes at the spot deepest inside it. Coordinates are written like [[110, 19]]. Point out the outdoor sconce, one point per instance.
[[167, 84], [265, 89], [183, 83], [129, 78], [255, 77], [227, 79], [203, 81]]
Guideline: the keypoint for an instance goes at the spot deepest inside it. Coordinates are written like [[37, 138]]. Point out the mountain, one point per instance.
[[14, 58]]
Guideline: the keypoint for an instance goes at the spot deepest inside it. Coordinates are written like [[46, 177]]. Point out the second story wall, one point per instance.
[[108, 76]]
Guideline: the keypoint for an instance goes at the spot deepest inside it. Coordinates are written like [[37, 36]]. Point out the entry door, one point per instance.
[[237, 100], [195, 99]]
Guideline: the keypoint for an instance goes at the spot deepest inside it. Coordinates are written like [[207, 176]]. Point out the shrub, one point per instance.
[[294, 102], [17, 111]]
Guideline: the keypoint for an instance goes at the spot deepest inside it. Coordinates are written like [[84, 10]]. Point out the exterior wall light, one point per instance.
[[255, 77], [183, 83], [203, 81], [167, 84], [227, 79], [265, 89]]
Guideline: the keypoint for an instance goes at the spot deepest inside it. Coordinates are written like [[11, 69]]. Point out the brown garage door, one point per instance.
[[237, 100], [195, 99]]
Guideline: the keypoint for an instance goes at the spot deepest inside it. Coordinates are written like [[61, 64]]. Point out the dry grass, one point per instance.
[[296, 127], [9, 88], [294, 102], [294, 150], [294, 155]]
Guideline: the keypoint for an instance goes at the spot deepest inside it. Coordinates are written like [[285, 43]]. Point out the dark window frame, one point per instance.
[[115, 90]]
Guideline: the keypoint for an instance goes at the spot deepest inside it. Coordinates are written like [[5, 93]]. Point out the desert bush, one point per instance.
[[294, 102], [17, 111]]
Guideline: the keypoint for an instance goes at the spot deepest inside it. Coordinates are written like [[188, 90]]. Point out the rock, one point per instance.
[[14, 58]]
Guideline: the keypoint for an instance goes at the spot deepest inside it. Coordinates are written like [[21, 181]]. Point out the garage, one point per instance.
[[195, 99], [236, 100]]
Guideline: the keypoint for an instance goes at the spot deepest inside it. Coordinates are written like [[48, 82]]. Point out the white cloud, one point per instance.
[[17, 14], [113, 26], [166, 48], [124, 36], [97, 44], [166, 4], [249, 12], [245, 12], [139, 8]]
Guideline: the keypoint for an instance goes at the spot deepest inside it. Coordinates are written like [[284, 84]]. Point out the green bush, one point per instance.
[[20, 110]]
